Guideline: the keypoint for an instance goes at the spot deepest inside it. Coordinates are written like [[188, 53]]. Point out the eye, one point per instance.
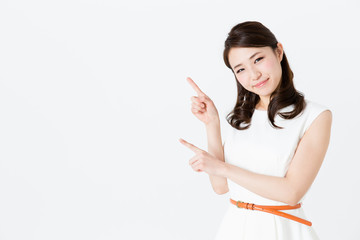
[[259, 58], [255, 61], [239, 70]]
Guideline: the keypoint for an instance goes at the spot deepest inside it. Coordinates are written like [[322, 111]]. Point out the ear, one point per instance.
[[279, 51]]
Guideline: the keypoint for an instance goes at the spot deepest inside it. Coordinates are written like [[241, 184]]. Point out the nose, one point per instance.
[[255, 74]]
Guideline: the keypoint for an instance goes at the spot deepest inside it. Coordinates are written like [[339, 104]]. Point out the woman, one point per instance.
[[275, 147]]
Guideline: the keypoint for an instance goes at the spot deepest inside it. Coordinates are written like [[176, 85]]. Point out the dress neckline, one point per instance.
[[258, 110]]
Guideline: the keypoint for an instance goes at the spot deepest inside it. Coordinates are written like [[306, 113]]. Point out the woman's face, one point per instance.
[[260, 69]]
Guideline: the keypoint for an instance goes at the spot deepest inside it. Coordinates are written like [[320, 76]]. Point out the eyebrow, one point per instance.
[[249, 59]]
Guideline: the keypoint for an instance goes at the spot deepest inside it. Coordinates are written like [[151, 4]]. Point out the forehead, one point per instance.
[[238, 55]]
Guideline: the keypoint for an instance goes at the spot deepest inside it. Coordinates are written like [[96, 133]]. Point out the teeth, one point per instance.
[[261, 84]]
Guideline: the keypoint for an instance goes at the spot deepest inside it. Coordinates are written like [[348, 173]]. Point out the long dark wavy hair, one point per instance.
[[255, 34]]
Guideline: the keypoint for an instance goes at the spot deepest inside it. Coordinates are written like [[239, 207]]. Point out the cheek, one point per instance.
[[272, 67], [242, 81], [269, 66]]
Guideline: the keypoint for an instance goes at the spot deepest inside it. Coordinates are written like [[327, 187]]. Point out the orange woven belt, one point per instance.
[[273, 210]]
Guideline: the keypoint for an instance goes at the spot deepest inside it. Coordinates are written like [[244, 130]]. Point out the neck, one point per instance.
[[263, 103]]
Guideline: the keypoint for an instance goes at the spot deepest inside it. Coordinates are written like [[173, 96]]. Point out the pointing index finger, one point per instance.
[[191, 146], [195, 87]]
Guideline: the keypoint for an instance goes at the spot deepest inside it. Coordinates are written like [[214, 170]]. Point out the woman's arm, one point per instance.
[[219, 184], [302, 171]]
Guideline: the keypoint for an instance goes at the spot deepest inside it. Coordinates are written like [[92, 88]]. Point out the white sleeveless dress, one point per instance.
[[265, 150]]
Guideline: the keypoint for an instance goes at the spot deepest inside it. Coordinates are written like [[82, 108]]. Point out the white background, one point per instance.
[[94, 97]]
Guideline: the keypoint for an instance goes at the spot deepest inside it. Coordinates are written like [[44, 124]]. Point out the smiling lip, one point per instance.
[[257, 85]]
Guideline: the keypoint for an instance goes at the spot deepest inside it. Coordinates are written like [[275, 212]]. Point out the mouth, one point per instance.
[[260, 84]]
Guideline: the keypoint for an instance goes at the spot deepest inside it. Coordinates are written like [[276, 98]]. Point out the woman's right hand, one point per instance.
[[202, 106]]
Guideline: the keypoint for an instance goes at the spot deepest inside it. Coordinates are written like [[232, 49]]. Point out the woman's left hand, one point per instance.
[[204, 161]]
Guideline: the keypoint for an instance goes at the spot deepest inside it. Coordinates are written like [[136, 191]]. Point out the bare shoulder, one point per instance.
[[326, 115], [319, 131], [323, 121]]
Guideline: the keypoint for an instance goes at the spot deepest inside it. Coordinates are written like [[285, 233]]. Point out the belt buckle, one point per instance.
[[237, 203]]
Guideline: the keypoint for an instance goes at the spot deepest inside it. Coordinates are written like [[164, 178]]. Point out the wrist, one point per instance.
[[213, 123], [223, 169]]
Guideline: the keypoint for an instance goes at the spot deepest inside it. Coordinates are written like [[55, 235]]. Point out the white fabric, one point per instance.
[[265, 150]]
